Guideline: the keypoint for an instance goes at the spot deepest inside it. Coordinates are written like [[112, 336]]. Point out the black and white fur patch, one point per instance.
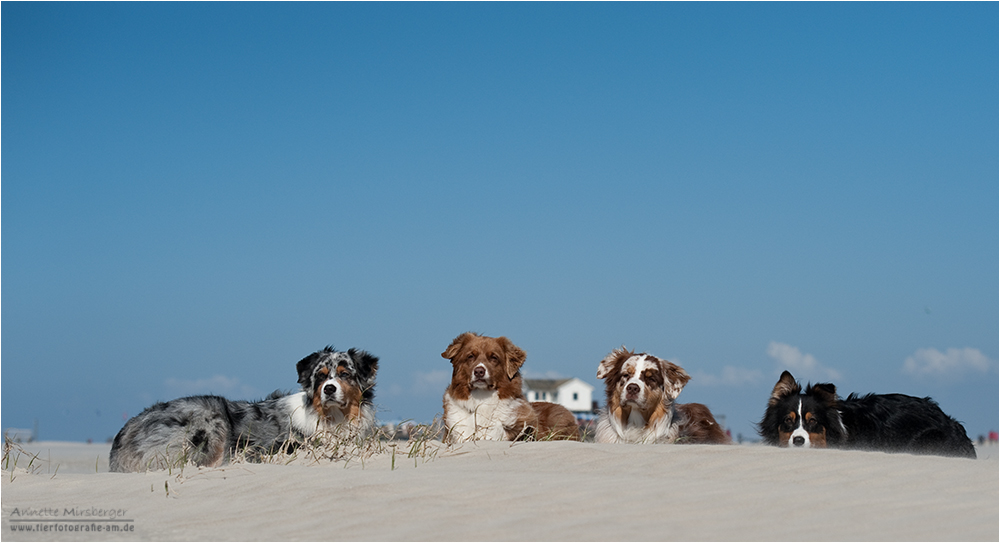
[[816, 418], [336, 397]]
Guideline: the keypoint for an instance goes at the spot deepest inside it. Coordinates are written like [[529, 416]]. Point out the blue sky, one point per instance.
[[195, 196]]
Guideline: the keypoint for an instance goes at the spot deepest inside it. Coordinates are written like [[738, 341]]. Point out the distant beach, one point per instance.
[[498, 491]]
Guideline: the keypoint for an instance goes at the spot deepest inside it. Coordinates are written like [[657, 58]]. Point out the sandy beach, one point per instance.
[[499, 491]]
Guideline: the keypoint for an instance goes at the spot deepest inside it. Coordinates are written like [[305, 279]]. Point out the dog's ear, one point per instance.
[[612, 361], [456, 345], [674, 378], [366, 364], [786, 386], [305, 366], [515, 356], [824, 392]]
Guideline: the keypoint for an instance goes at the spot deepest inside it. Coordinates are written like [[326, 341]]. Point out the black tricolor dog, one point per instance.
[[878, 422], [336, 397]]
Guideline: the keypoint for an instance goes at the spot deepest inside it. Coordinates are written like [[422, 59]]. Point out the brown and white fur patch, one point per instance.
[[485, 398], [641, 390]]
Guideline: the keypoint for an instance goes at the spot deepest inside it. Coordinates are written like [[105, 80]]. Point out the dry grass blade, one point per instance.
[[12, 454]]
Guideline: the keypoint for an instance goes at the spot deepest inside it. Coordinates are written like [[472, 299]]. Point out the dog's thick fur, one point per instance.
[[485, 398], [896, 423], [641, 390], [336, 397]]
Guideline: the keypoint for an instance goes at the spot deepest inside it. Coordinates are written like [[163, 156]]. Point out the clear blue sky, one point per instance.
[[195, 196]]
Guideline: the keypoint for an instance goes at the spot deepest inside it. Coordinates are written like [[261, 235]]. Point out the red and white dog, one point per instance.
[[485, 399], [641, 390]]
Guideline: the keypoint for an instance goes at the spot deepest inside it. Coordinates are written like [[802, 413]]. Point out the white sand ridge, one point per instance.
[[499, 491]]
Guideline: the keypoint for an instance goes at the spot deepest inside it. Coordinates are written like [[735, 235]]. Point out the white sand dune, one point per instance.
[[490, 491]]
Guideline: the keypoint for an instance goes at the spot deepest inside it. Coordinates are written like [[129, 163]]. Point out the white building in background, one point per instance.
[[572, 393], [19, 435]]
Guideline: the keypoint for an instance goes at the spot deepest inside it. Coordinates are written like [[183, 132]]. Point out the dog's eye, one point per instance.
[[494, 358], [343, 374]]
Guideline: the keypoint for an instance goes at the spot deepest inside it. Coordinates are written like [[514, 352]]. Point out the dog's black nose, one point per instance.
[[479, 372], [632, 388], [330, 389], [798, 441]]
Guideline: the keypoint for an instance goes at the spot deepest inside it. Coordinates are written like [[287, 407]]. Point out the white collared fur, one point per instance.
[[305, 419], [483, 416], [611, 430]]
